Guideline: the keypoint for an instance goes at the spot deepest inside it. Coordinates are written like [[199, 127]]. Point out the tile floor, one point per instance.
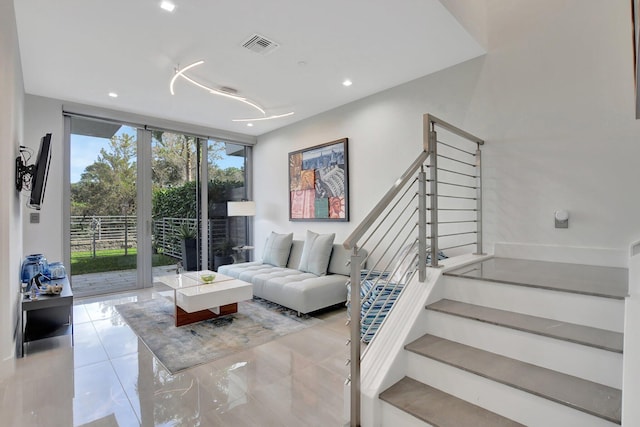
[[109, 378]]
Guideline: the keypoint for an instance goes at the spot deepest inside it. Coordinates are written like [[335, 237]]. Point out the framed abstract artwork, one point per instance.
[[319, 183]]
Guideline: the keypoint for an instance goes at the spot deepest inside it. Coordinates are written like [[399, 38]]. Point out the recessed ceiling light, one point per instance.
[[168, 6], [347, 82], [250, 124], [113, 94]]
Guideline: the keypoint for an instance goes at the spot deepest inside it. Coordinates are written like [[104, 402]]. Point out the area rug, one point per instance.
[[257, 321]]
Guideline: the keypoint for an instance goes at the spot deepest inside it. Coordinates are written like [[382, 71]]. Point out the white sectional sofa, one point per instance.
[[288, 286]]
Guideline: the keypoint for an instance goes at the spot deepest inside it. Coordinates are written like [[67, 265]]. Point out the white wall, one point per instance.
[[44, 115], [554, 100], [11, 125]]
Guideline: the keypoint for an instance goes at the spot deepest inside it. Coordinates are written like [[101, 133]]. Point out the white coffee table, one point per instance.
[[196, 300]]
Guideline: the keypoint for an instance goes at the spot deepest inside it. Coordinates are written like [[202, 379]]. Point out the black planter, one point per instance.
[[219, 260], [190, 254]]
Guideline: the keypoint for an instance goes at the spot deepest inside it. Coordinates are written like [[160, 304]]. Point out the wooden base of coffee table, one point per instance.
[[185, 318]]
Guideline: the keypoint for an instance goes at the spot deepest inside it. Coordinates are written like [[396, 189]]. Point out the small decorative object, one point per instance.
[[32, 265], [208, 278], [319, 183], [34, 292], [34, 282], [57, 271], [52, 289]]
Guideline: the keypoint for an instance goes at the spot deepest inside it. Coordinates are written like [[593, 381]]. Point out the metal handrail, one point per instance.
[[451, 128], [370, 219], [385, 238]]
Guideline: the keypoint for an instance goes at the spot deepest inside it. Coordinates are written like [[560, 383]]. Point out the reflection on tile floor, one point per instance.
[[109, 378]]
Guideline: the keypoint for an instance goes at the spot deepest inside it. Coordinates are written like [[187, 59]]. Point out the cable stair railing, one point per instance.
[[438, 199]]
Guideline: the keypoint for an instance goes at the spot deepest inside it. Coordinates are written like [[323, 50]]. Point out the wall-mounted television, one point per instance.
[[34, 177], [40, 173]]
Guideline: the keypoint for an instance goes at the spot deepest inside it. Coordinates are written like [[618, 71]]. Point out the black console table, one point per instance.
[[47, 316]]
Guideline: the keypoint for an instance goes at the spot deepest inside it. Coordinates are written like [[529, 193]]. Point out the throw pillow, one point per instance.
[[277, 248], [316, 253]]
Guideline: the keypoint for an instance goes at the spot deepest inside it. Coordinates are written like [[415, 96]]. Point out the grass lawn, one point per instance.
[[111, 260]]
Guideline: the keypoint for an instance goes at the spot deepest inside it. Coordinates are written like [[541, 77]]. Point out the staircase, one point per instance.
[[516, 342]]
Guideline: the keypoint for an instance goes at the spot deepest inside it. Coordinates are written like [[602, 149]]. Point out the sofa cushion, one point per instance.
[[277, 248], [306, 292], [316, 253], [296, 254]]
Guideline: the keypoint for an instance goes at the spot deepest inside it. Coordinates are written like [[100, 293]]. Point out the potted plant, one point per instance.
[[188, 237], [222, 254]]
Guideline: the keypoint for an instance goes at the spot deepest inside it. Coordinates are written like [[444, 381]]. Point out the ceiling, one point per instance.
[[80, 50]]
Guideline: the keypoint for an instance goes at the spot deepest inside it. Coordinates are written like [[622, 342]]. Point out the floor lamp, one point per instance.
[[244, 208]]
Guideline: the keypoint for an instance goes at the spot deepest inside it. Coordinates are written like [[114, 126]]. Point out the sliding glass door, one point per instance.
[[103, 237], [175, 200], [145, 201], [229, 235]]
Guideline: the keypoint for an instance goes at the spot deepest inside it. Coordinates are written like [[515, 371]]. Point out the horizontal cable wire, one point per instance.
[[454, 197], [456, 148], [455, 185], [456, 160], [458, 246], [457, 173]]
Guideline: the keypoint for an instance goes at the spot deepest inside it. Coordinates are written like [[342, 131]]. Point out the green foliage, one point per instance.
[[108, 184], [173, 159], [224, 248], [186, 231], [180, 202], [175, 202], [111, 260]]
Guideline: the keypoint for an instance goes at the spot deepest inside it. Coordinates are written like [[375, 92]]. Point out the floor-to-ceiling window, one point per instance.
[[175, 198], [227, 181], [143, 198], [103, 205]]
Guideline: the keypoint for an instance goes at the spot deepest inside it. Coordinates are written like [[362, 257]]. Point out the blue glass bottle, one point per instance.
[[32, 265]]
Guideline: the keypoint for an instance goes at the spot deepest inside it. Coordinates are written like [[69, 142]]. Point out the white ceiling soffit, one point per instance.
[[79, 51]]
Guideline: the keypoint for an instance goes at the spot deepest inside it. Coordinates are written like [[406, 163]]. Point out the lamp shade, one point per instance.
[[247, 208]]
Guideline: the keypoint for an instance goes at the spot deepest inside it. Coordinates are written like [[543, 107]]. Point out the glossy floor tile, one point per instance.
[[109, 378]]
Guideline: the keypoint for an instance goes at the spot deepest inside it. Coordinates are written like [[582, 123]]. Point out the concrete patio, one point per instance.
[[111, 281]]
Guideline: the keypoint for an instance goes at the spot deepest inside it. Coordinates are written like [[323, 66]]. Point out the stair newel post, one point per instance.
[[433, 192], [354, 377], [479, 201], [422, 225]]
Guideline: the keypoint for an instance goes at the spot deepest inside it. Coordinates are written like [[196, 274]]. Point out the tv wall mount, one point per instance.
[[24, 172]]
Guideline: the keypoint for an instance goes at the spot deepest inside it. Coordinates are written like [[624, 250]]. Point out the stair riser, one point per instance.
[[597, 312], [392, 416], [507, 401], [601, 366]]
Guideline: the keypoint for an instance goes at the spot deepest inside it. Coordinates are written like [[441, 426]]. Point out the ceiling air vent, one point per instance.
[[260, 44]]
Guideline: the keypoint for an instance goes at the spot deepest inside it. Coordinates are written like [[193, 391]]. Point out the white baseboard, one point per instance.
[[609, 257], [7, 367]]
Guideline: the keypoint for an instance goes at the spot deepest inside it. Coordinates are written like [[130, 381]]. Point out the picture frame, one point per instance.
[[319, 182]]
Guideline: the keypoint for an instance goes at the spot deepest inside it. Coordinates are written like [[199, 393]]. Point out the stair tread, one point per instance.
[[593, 398], [585, 335], [439, 408], [608, 282]]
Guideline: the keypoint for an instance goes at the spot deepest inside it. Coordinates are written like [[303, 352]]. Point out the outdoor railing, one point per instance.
[[103, 232], [437, 199], [99, 232]]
